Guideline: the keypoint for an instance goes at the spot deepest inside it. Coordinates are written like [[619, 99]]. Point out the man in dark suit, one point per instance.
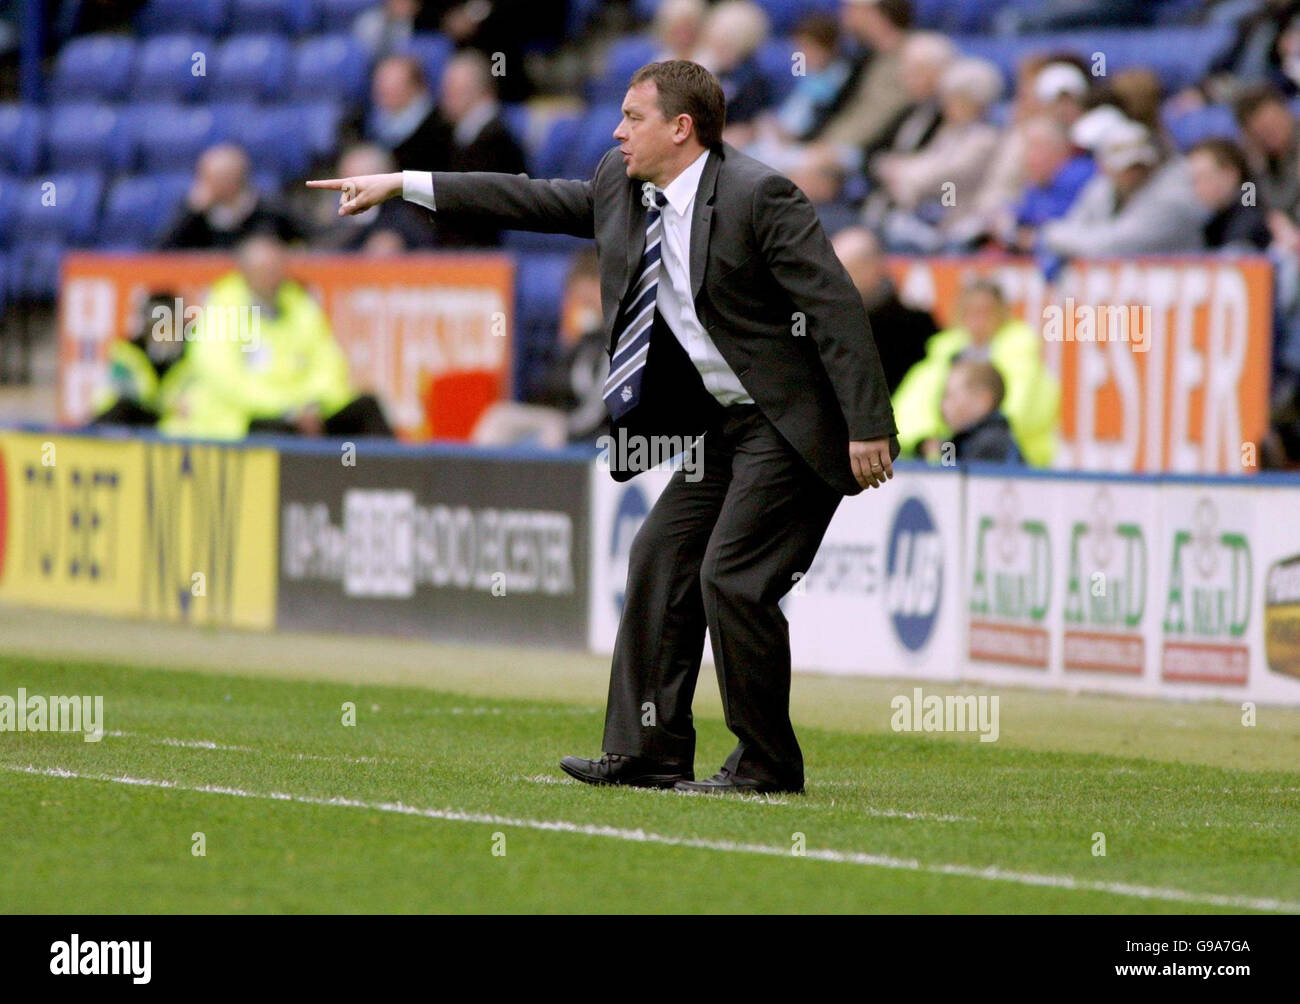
[[726, 315]]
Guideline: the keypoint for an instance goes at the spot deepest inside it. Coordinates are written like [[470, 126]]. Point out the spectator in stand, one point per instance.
[[823, 183], [988, 333], [223, 207], [475, 139], [1272, 146], [932, 190], [924, 58], [145, 368], [676, 28], [992, 218], [874, 94], [264, 360], [807, 107], [1055, 172], [1237, 223], [501, 30], [900, 331], [387, 28], [404, 115], [733, 30], [394, 226], [971, 406], [1139, 204]]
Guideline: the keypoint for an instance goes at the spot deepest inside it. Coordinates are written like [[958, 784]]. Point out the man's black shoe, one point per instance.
[[632, 771], [726, 783]]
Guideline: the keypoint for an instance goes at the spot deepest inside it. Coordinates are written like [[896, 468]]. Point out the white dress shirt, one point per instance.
[[673, 300]]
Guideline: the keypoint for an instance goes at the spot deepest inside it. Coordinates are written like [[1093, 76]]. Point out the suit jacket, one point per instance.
[[767, 287]]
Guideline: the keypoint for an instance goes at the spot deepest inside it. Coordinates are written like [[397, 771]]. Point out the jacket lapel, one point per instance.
[[702, 220]]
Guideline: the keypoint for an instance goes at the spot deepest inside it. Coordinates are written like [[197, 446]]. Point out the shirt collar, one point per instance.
[[681, 190]]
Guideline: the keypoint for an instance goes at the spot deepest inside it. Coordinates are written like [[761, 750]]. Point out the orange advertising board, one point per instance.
[[430, 334], [1164, 363]]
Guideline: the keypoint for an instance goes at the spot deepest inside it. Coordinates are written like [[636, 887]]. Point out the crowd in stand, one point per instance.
[[904, 139]]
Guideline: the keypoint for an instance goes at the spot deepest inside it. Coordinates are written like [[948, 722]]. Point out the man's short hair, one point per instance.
[[982, 376], [1225, 153], [687, 88], [1252, 99]]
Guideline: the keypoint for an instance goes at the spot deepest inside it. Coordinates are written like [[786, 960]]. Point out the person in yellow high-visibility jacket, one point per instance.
[[263, 359], [990, 333]]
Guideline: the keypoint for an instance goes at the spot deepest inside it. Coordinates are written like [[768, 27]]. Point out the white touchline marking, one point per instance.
[[208, 744], [992, 873]]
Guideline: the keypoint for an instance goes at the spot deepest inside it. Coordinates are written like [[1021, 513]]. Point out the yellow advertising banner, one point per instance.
[[166, 531]]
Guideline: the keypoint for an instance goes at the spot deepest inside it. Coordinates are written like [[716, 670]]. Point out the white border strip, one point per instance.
[[992, 873]]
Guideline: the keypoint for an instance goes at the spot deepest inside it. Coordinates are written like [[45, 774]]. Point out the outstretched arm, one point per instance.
[[512, 201]]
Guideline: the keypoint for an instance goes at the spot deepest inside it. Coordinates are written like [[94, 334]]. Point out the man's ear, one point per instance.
[[683, 128]]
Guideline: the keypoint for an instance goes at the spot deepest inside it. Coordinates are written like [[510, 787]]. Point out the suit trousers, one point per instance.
[[719, 551]]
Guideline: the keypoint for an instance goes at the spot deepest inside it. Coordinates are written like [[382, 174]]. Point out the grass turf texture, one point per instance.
[[1180, 817]]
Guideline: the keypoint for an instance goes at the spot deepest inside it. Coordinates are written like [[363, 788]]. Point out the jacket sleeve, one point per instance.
[[803, 263], [518, 202]]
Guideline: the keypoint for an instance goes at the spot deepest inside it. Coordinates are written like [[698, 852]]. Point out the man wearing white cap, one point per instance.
[[1139, 204]]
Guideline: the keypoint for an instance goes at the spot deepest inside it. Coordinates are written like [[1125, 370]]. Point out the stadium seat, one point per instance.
[[595, 137], [139, 208], [160, 17], [320, 121], [4, 283], [288, 17], [171, 137], [1179, 55], [1209, 122], [432, 50], [339, 15], [625, 57], [515, 117], [274, 136], [91, 135], [72, 212], [165, 68], [10, 185], [251, 67], [783, 15], [328, 66], [22, 137], [34, 270], [969, 16], [549, 160], [93, 67], [539, 294]]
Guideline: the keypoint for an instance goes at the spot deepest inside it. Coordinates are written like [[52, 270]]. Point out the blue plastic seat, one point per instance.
[[91, 135], [139, 208], [61, 207], [548, 161], [595, 137], [22, 137], [432, 51], [339, 15], [320, 120], [252, 67], [775, 63], [10, 186], [93, 67], [275, 138], [161, 17], [171, 137], [288, 17], [625, 57], [166, 68], [328, 66], [539, 294], [34, 267], [1210, 122]]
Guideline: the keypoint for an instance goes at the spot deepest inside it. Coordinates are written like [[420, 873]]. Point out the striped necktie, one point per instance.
[[631, 348]]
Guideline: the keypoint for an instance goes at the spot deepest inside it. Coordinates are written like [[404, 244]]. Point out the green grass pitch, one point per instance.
[[445, 801]]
